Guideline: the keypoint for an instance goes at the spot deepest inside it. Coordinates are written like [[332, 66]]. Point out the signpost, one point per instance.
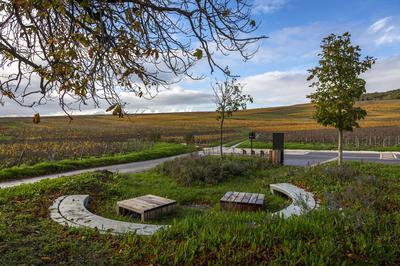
[[252, 135]]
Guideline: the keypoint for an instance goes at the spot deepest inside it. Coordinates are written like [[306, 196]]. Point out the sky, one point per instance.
[[277, 74]]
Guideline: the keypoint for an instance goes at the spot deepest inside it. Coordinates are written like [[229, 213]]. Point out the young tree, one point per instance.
[[228, 98], [339, 85], [80, 50]]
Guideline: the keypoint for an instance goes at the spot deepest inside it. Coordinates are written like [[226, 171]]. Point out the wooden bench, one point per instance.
[[147, 207], [242, 201]]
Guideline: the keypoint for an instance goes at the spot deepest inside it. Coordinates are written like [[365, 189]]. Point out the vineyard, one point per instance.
[[361, 137], [56, 138]]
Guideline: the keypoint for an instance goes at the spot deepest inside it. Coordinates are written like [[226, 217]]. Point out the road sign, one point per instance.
[[252, 135]]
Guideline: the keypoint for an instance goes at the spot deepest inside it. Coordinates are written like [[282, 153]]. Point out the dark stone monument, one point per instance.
[[278, 146]]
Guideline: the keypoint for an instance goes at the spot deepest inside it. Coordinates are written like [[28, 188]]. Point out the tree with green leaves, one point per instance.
[[228, 98], [79, 51], [339, 85]]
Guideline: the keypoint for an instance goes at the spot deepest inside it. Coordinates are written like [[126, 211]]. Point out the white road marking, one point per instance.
[[387, 156], [324, 162]]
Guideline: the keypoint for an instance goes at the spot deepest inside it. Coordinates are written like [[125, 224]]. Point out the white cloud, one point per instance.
[[176, 99], [378, 25], [277, 88], [384, 75], [268, 6], [385, 31]]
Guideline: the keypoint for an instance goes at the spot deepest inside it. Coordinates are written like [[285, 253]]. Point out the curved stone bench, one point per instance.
[[72, 211], [302, 201]]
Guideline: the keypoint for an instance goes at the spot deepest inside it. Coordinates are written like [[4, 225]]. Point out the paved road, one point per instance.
[[315, 157], [292, 157], [309, 157]]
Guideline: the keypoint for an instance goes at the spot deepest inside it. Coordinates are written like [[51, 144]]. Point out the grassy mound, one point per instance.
[[358, 222]]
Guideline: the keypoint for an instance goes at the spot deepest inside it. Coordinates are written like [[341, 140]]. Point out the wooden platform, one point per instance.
[[147, 207], [242, 201]]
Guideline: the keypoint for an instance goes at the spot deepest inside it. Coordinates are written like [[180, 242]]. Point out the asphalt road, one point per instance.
[[317, 157], [292, 157]]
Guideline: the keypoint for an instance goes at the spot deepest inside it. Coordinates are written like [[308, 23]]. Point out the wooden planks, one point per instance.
[[242, 201], [147, 206]]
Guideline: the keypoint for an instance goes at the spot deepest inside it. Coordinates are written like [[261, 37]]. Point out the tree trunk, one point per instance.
[[340, 148], [221, 135]]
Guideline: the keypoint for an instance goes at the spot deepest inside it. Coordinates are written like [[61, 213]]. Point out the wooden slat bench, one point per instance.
[[147, 207], [242, 201]]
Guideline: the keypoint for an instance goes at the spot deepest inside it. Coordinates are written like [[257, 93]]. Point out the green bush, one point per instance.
[[196, 169]]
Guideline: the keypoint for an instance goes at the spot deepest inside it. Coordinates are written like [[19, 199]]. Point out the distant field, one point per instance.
[[56, 138]]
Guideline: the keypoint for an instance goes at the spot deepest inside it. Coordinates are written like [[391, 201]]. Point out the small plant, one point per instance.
[[344, 173]]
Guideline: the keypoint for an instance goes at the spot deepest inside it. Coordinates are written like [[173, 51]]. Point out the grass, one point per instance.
[[157, 151], [316, 146], [358, 223], [6, 138]]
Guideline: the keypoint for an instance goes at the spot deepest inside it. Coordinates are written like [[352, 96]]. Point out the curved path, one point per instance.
[[302, 201], [133, 167], [72, 211]]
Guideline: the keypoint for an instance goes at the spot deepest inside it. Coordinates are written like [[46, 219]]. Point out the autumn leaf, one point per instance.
[[36, 118], [198, 54], [225, 13]]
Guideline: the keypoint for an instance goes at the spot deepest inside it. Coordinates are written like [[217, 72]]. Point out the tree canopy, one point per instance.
[[81, 50], [338, 83]]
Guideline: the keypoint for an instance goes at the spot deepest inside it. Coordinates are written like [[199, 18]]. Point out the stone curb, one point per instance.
[[72, 211], [302, 201]]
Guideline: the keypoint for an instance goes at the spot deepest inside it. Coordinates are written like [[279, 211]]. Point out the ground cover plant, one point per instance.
[[209, 170], [358, 223], [157, 150]]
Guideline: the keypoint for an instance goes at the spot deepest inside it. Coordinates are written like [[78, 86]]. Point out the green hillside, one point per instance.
[[387, 95]]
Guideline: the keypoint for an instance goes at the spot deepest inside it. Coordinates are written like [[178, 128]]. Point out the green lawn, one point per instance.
[[159, 150], [361, 225], [316, 146]]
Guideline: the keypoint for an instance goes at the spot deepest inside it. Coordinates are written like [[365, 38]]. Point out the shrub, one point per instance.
[[189, 138], [196, 169]]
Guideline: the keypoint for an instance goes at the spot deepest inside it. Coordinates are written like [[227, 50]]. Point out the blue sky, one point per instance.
[[277, 73]]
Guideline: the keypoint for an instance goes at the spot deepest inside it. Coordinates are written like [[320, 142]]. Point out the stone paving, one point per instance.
[[72, 211], [302, 201]]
